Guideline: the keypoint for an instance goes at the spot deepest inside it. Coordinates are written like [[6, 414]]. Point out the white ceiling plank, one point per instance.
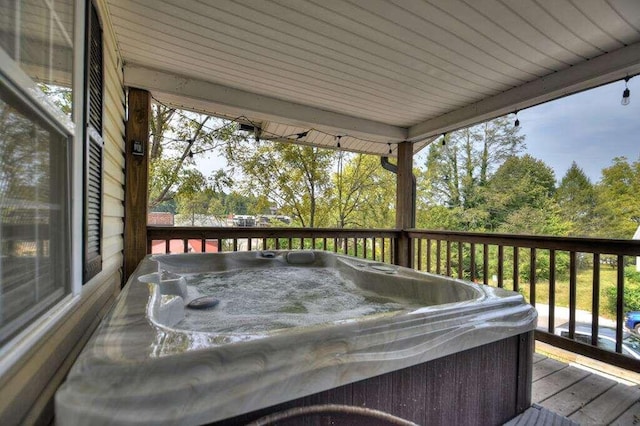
[[214, 51], [235, 101], [601, 70]]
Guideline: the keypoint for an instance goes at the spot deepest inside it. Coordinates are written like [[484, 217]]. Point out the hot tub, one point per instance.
[[296, 328]]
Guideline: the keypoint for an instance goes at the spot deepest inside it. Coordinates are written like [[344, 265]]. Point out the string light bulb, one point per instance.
[[626, 95], [389, 144], [517, 123], [338, 141], [444, 139]]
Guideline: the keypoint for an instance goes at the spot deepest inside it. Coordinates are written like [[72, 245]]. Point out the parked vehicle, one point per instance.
[[632, 321], [606, 338]]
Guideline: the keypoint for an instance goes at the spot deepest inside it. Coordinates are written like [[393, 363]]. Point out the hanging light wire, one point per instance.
[[264, 134]]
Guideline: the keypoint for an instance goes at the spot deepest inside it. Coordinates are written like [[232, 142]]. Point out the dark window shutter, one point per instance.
[[94, 145]]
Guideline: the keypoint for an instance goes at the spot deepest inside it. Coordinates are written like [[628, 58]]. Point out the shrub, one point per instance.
[[631, 301]]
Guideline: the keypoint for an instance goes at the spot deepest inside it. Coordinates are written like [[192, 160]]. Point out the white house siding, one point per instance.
[[27, 390]]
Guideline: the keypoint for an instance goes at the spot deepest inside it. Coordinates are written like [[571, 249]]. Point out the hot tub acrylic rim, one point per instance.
[[299, 365]]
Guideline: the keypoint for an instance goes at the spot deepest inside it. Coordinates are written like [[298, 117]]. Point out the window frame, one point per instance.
[[31, 336]]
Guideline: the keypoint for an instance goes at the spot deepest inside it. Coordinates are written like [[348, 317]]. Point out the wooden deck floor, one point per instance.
[[585, 397]]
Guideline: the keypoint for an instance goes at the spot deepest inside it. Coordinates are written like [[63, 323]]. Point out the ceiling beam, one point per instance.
[[228, 101], [586, 75]]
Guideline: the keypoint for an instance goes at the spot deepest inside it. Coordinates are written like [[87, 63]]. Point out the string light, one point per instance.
[[444, 139], [626, 95], [258, 132], [517, 123]]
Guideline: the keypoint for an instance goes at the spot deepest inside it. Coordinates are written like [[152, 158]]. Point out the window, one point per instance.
[[93, 148], [36, 51]]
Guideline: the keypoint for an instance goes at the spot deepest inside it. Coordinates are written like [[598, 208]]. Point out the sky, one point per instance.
[[590, 128]]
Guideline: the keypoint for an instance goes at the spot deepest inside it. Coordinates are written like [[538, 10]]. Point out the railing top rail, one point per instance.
[[179, 232], [575, 244]]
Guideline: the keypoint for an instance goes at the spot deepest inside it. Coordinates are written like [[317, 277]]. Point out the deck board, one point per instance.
[[583, 397], [571, 399], [608, 406], [554, 383], [545, 367]]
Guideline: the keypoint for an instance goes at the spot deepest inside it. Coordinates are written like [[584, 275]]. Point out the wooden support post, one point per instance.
[[404, 204], [136, 179]]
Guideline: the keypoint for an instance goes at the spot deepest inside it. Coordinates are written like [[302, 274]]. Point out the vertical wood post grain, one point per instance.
[[136, 180], [404, 203]]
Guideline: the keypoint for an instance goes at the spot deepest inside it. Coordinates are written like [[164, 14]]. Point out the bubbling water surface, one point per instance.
[[261, 300]]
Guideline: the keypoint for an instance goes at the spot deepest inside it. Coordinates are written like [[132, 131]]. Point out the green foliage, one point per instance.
[[576, 198], [362, 193], [618, 209], [631, 300], [293, 177], [177, 138], [522, 184]]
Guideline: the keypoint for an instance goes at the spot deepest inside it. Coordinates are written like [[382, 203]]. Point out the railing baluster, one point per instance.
[[335, 245], [500, 266], [573, 272], [301, 243], [203, 245], [516, 268], [485, 263], [472, 257], [374, 247], [382, 251], [249, 244], [460, 260], [419, 253], [345, 245], [220, 249], [532, 277], [278, 244], [185, 243], [264, 244], [364, 247], [167, 246], [448, 258], [620, 304], [355, 247], [428, 262], [552, 291], [595, 299], [290, 243], [438, 257], [235, 244]]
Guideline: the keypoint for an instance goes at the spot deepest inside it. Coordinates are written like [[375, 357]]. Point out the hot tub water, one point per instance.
[[260, 300]]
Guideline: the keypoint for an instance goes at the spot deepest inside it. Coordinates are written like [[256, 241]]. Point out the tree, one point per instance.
[[176, 139], [521, 183], [618, 209], [293, 177], [458, 170], [363, 192], [576, 199], [194, 196]]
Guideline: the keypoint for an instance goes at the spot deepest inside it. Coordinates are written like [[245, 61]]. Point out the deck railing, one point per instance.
[[374, 244], [551, 272]]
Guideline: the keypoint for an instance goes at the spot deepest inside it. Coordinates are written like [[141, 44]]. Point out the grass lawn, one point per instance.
[[583, 291]]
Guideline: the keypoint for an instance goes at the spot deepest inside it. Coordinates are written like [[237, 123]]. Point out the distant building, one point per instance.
[[160, 219]]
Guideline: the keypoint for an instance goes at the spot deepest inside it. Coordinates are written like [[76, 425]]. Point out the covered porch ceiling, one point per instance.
[[372, 71]]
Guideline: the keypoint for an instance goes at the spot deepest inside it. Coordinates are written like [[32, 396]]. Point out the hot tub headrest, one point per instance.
[[301, 257]]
